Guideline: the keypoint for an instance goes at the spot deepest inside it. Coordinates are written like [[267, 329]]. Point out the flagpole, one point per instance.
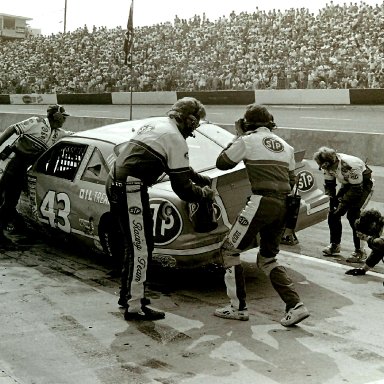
[[130, 26]]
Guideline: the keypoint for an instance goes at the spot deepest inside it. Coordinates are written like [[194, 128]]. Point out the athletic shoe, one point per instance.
[[358, 256], [229, 312], [145, 314], [296, 314], [331, 250]]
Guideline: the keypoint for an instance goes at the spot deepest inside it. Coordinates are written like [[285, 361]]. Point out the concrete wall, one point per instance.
[[229, 97], [357, 143]]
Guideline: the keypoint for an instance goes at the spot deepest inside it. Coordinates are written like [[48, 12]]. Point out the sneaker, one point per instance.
[[331, 250], [358, 256], [229, 312], [296, 314], [145, 314]]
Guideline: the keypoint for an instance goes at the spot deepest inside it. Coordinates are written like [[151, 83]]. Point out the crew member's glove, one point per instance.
[[356, 272], [208, 193], [207, 180], [362, 236]]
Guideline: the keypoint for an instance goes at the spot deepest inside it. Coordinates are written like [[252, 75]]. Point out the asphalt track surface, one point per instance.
[[60, 323], [340, 117]]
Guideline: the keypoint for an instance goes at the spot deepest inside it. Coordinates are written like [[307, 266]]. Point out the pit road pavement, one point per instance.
[[60, 323]]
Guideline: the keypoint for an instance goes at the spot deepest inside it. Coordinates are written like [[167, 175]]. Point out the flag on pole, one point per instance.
[[128, 36]]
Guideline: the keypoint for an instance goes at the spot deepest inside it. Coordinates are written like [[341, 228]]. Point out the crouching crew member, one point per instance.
[[369, 227], [270, 165], [355, 190], [157, 147]]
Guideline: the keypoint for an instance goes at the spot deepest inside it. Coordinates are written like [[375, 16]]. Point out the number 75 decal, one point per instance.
[[59, 218]]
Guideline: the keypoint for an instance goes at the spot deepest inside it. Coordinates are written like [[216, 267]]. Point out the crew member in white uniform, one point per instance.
[[270, 165], [34, 136], [355, 180], [157, 147]]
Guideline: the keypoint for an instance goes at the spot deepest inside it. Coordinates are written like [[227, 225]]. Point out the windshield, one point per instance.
[[203, 152]]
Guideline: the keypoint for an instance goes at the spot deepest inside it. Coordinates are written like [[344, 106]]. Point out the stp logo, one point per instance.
[[306, 181], [273, 144], [166, 228], [134, 210], [243, 221]]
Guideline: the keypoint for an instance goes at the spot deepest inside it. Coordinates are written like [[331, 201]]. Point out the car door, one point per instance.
[[53, 188]]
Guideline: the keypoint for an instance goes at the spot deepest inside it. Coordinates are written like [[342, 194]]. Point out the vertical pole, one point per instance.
[[65, 16], [131, 61]]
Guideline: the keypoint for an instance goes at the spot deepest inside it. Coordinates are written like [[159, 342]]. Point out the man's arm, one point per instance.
[[8, 132]]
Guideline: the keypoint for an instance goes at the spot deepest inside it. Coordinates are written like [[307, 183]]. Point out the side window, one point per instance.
[[96, 170], [62, 160]]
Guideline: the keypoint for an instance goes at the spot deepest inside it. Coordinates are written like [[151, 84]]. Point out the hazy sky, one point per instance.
[[48, 15]]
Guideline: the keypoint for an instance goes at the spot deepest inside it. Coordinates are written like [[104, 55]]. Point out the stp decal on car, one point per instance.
[[167, 221], [306, 181]]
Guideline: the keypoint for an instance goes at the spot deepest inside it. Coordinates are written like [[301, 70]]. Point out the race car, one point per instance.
[[66, 192]]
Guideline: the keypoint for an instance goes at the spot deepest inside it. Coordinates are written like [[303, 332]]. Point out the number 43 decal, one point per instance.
[[57, 218]]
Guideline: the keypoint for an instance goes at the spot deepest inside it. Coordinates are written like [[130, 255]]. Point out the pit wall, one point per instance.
[[270, 97], [357, 143]]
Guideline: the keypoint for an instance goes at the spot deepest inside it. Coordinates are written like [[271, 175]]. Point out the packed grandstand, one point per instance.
[[339, 47]]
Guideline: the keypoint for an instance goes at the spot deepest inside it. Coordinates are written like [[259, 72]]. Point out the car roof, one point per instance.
[[122, 132], [116, 133]]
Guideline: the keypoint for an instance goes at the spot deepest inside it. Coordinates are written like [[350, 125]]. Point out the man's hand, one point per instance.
[[208, 193], [356, 272], [362, 236], [207, 180]]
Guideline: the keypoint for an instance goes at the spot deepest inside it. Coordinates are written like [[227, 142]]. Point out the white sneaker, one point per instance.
[[358, 256], [229, 312], [296, 314]]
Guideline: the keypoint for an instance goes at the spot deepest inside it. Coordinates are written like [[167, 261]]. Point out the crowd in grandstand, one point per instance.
[[339, 47]]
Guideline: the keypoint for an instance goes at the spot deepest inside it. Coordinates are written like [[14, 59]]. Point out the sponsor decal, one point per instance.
[[305, 181], [137, 230], [166, 228], [134, 210], [140, 269], [95, 196], [273, 144], [235, 237], [144, 129], [28, 99], [193, 207], [243, 221]]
